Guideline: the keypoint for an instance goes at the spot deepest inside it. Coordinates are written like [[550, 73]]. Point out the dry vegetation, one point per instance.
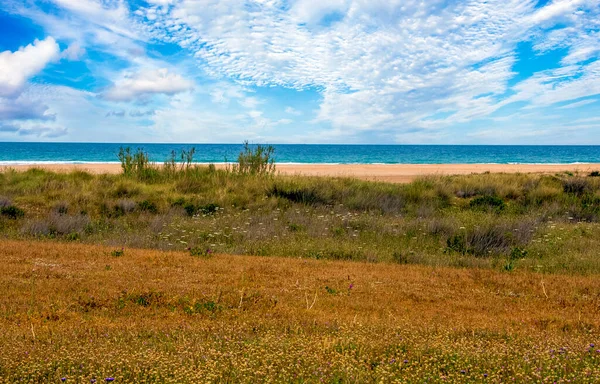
[[84, 313], [206, 275]]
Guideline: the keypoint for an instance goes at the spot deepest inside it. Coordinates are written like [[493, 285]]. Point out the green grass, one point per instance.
[[465, 221]]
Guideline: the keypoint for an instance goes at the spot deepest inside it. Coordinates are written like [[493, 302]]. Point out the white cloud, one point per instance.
[[73, 52], [292, 111], [578, 104], [34, 129], [147, 83], [382, 64], [410, 68], [17, 67]]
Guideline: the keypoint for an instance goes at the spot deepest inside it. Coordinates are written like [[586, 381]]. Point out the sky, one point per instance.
[[301, 71]]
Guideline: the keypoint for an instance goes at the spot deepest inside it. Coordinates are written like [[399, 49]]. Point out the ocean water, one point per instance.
[[40, 153]]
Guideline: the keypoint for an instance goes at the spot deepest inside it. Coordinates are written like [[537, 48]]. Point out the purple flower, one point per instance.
[[63, 379], [92, 380], [485, 375], [463, 371], [351, 286], [405, 361], [592, 345], [108, 379]]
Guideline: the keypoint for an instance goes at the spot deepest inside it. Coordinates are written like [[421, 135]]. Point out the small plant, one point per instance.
[[187, 158], [136, 164], [190, 209], [256, 161], [209, 209], [331, 291], [516, 253], [295, 227], [200, 252], [73, 236], [118, 252], [594, 174], [457, 243], [61, 208], [12, 212], [148, 206]]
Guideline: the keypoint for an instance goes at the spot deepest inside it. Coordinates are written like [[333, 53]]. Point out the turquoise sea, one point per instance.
[[32, 153]]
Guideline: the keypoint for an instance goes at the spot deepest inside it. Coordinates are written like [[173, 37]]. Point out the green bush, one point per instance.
[[148, 206], [12, 212], [487, 203]]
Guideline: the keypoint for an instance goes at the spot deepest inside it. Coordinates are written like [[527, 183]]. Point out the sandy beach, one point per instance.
[[396, 173]]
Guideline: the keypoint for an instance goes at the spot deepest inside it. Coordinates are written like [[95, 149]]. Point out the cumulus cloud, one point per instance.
[[17, 67], [147, 83]]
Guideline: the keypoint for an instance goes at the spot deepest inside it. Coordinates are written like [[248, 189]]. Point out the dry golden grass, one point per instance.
[[81, 313]]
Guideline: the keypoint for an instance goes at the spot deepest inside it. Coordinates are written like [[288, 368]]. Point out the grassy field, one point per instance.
[[500, 221], [192, 274], [82, 312]]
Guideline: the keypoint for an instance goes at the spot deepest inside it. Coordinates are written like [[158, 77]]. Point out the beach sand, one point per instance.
[[395, 173]]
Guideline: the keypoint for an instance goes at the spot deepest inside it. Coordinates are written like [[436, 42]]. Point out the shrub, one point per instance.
[[124, 206], [66, 225], [190, 209], [576, 186], [308, 196], [148, 206], [38, 228], [12, 212], [209, 209], [594, 174], [487, 203], [256, 161], [491, 239]]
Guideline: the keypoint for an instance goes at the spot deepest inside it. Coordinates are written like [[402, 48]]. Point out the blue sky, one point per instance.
[[301, 71]]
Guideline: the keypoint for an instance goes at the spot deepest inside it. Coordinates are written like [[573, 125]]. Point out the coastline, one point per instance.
[[395, 173]]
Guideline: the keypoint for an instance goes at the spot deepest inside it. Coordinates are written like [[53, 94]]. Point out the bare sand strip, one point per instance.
[[395, 173]]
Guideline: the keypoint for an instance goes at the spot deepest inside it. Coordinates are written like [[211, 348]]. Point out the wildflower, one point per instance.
[[92, 380], [108, 379], [463, 371], [405, 361], [63, 379], [351, 286]]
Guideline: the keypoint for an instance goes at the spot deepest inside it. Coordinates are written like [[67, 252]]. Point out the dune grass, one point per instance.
[[499, 221], [83, 312]]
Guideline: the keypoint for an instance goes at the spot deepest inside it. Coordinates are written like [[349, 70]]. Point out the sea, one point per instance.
[[81, 153]]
